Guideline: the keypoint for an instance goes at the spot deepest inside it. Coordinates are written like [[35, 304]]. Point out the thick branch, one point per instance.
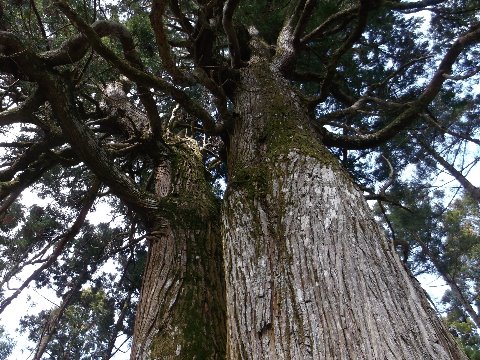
[[74, 49], [60, 96], [397, 72], [124, 306], [464, 76], [89, 150], [156, 19], [9, 191], [40, 23], [303, 18], [288, 40], [332, 19], [233, 44], [12, 45], [359, 107], [457, 292], [445, 67], [414, 108], [429, 117], [182, 19], [365, 7], [52, 321], [34, 154], [24, 112], [365, 141], [131, 55], [137, 75]]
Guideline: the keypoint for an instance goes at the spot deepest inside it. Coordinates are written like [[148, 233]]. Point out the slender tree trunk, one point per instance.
[[471, 189], [181, 313], [457, 292], [309, 273]]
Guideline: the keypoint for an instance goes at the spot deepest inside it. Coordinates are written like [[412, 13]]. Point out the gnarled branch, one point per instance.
[[414, 108], [136, 75]]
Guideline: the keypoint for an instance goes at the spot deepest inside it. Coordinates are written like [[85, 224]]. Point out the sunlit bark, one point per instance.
[[309, 273]]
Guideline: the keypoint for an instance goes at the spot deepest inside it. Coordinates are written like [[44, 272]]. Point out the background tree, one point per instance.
[[444, 241], [6, 344], [82, 331], [302, 108]]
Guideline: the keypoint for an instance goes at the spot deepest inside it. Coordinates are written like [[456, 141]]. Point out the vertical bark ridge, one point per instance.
[[326, 285], [309, 273], [181, 312]]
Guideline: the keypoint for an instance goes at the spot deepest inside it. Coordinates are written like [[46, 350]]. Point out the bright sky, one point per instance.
[[31, 301]]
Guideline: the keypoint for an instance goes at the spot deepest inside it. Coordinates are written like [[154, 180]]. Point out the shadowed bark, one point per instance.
[[181, 313]]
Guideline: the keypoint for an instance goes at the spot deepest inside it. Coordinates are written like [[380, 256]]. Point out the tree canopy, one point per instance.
[[96, 94]]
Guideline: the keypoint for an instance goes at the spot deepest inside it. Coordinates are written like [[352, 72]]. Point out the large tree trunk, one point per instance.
[[181, 313], [309, 273]]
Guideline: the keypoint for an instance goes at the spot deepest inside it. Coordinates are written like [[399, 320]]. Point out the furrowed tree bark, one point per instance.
[[309, 273], [181, 312]]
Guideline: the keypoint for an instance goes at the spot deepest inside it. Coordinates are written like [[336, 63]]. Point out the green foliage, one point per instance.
[[139, 25], [462, 328], [272, 12], [461, 229], [101, 264], [444, 242], [11, 218], [6, 344], [84, 330]]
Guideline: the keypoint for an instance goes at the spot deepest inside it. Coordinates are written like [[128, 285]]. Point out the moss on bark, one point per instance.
[[185, 268]]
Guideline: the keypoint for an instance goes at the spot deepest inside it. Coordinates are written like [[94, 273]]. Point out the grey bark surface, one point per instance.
[[181, 311], [309, 273]]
